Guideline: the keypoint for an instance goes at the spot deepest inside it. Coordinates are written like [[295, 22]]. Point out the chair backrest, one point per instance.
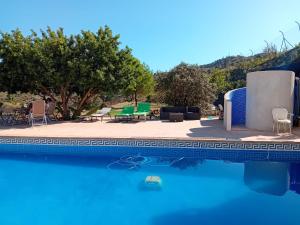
[[128, 110], [220, 107], [50, 108], [105, 110], [38, 108], [279, 114], [143, 107]]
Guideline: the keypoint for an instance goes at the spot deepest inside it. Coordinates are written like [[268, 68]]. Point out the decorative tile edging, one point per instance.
[[153, 143]]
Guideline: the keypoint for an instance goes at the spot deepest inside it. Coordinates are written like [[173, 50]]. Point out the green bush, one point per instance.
[[185, 85]]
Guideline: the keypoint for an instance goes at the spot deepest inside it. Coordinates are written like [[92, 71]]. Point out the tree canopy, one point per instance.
[[72, 70], [139, 80], [185, 85]]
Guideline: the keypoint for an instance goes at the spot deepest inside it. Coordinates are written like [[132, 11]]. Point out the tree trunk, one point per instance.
[[48, 92], [86, 97], [64, 104], [135, 99]]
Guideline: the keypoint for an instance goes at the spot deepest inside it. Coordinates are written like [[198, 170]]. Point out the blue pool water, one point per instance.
[[60, 190]]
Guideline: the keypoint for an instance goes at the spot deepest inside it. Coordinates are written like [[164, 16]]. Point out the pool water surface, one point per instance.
[[60, 190]]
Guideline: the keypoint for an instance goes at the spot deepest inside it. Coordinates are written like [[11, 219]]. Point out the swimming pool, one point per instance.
[[59, 190]]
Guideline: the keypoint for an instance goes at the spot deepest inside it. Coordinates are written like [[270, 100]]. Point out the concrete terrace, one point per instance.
[[200, 130]]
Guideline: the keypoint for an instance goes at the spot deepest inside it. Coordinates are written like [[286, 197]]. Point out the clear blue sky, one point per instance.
[[163, 33]]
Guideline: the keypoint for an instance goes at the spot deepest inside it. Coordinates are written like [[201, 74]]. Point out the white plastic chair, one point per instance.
[[221, 112], [282, 117], [220, 107]]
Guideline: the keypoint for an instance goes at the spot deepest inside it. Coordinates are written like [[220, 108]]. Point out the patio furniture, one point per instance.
[[15, 117], [221, 112], [281, 116], [38, 111], [127, 113], [189, 113], [103, 112], [176, 117], [50, 109], [21, 116], [6, 118], [143, 109], [85, 116]]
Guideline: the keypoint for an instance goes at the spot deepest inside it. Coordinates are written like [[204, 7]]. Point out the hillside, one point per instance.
[[226, 62], [289, 60], [262, 61], [230, 72]]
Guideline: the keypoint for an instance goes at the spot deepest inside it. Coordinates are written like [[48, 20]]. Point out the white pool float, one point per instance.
[[153, 182]]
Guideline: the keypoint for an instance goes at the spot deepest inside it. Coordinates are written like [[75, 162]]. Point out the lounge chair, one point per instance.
[[143, 109], [127, 112], [103, 112], [38, 111]]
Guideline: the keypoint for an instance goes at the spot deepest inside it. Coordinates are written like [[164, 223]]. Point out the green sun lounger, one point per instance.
[[143, 109], [127, 112]]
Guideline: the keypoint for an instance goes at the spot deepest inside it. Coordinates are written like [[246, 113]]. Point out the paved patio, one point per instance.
[[204, 129]]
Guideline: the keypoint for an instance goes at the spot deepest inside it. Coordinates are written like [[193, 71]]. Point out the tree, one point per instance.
[[185, 85], [15, 56], [237, 78], [139, 80], [72, 70], [219, 78]]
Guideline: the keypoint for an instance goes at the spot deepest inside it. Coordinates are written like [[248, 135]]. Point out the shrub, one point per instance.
[[185, 85]]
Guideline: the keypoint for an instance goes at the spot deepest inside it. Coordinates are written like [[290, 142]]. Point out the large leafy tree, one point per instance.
[[72, 70], [16, 57], [185, 85]]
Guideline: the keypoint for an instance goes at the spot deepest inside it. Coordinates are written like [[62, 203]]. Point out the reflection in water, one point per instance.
[[274, 178], [295, 177]]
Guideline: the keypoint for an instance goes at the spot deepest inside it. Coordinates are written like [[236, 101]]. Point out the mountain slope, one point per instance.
[[263, 61]]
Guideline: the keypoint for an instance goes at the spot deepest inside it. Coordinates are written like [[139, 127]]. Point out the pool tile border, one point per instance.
[[115, 147], [155, 143]]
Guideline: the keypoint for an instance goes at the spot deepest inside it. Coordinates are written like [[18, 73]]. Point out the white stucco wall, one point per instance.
[[267, 90]]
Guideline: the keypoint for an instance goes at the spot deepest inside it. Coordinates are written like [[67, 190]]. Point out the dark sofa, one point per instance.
[[190, 113]]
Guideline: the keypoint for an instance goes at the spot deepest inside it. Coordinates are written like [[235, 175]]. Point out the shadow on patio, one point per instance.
[[214, 129]]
